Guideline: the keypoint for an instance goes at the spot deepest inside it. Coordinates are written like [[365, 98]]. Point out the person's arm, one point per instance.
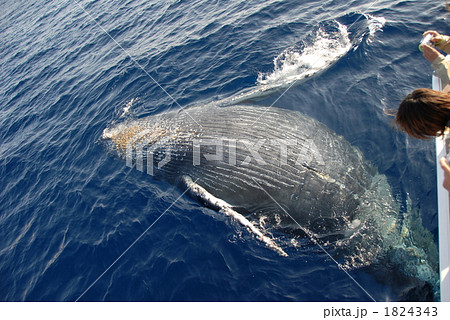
[[446, 167], [430, 53], [442, 68], [438, 62], [441, 42]]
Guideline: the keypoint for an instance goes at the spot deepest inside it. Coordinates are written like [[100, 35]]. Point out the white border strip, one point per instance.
[[443, 211]]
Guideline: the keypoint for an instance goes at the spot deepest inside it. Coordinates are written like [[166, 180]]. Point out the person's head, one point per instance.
[[424, 113]]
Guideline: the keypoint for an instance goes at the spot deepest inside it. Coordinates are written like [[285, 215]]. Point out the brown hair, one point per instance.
[[424, 113]]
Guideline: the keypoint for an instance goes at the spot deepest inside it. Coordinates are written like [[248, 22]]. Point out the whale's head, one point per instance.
[[132, 136]]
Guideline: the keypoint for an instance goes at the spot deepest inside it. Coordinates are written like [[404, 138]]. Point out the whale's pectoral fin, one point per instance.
[[204, 197], [241, 210]]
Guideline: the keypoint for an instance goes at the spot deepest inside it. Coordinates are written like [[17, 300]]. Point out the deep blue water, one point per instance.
[[68, 209]]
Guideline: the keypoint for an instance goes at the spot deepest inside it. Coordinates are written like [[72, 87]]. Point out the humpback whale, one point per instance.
[[252, 162]]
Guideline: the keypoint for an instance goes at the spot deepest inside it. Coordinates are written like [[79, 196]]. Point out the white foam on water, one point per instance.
[[295, 64], [126, 109], [298, 63], [375, 24], [322, 49]]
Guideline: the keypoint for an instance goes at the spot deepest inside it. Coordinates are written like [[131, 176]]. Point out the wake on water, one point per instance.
[[325, 45], [322, 48]]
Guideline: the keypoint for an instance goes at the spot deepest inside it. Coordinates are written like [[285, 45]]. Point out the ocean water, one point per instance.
[[79, 225]]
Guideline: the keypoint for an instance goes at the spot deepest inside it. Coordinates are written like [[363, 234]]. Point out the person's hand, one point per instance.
[[446, 167], [429, 53], [437, 37]]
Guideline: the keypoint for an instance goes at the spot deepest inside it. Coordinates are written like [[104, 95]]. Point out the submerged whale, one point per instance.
[[253, 163]]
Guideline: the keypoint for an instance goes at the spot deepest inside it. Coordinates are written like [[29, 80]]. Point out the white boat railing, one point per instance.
[[442, 148]]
